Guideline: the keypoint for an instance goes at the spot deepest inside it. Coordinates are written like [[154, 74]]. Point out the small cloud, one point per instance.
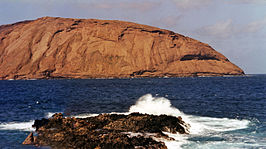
[[221, 29], [188, 4], [168, 21], [129, 5], [247, 1], [102, 5], [255, 26], [227, 29]]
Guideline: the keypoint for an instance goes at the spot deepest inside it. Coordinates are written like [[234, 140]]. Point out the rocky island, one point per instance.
[[52, 47], [106, 131]]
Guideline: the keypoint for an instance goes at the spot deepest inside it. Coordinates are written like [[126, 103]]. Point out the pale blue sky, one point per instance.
[[236, 28]]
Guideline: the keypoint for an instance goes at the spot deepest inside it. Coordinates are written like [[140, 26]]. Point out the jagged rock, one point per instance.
[[107, 131], [88, 48], [29, 140]]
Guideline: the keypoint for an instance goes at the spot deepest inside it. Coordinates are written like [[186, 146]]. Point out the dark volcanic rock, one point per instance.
[[88, 48], [107, 131], [29, 140]]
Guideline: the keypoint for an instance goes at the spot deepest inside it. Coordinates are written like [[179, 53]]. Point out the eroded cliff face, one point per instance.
[[87, 48]]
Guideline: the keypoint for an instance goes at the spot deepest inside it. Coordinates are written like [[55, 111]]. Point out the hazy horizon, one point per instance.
[[235, 28]]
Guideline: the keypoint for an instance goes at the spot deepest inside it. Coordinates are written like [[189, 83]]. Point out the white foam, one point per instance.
[[154, 105], [84, 115], [135, 134], [50, 114], [22, 126], [217, 124], [199, 125], [178, 142], [160, 105]]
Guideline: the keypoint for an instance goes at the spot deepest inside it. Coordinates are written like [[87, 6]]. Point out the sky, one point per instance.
[[235, 28]]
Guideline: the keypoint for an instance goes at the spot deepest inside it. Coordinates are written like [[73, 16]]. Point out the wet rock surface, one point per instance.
[[30, 140], [106, 131], [55, 48]]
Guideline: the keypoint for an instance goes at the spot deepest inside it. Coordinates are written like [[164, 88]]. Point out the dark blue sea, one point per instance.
[[224, 112]]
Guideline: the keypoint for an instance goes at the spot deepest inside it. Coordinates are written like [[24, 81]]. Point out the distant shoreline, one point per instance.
[[110, 78]]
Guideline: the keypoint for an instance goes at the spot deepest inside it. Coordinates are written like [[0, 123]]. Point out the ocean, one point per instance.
[[224, 112]]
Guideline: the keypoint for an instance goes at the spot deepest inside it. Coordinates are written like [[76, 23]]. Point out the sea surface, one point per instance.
[[224, 112]]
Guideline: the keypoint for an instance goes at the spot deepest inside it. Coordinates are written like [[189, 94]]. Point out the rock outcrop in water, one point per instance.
[[106, 131], [88, 48]]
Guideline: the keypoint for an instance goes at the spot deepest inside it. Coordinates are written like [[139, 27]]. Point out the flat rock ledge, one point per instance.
[[106, 131]]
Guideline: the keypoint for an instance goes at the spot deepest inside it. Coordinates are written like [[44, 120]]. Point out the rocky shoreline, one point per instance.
[[106, 131]]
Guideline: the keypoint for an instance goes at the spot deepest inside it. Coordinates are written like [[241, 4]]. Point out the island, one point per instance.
[[54, 48]]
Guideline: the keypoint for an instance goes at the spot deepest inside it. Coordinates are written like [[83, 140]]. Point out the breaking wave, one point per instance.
[[200, 126], [160, 105], [22, 126]]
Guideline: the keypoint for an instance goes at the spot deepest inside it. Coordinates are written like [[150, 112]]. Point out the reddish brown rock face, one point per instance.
[[88, 48]]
